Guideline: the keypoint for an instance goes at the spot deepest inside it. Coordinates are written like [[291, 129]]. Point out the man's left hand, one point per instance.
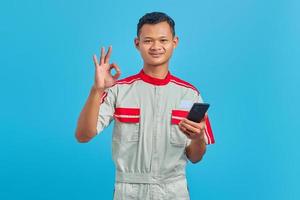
[[193, 130]]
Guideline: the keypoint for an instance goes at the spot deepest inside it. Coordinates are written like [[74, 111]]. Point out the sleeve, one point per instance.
[[107, 109], [209, 136]]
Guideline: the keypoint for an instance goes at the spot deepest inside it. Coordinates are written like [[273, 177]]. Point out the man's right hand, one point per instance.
[[103, 77], [87, 122]]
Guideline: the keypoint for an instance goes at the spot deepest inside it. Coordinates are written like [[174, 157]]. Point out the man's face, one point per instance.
[[156, 43]]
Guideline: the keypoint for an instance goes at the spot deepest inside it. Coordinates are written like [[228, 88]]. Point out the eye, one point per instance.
[[147, 41], [164, 40]]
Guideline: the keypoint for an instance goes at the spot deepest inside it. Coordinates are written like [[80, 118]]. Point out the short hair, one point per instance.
[[155, 18]]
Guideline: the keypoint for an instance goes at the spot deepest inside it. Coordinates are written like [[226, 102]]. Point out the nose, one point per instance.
[[155, 46]]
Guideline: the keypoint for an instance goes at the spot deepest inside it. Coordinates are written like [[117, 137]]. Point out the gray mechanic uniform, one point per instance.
[[148, 147]]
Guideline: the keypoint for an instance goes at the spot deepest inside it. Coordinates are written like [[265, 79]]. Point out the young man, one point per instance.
[[152, 139]]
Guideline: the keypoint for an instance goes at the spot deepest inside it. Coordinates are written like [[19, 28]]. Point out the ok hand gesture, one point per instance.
[[103, 77]]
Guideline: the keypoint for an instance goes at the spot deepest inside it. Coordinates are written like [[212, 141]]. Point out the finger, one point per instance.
[[95, 60], [180, 126], [191, 134], [191, 122], [200, 125], [183, 129], [102, 56], [190, 128], [107, 56], [118, 70]]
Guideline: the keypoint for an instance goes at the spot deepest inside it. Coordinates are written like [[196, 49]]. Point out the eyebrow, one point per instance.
[[154, 38]]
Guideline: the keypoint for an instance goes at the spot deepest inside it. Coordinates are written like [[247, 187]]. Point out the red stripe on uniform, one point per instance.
[[127, 111], [209, 130], [128, 120], [104, 95], [180, 113], [129, 79], [183, 83], [128, 82], [175, 121]]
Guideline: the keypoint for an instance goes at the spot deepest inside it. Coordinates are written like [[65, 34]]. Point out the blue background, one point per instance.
[[243, 56]]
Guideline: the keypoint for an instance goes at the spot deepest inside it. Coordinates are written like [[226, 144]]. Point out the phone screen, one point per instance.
[[197, 112]]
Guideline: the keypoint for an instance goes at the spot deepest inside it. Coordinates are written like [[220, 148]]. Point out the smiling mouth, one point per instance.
[[156, 55]]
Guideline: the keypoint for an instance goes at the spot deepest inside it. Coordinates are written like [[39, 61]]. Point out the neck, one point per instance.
[[159, 72]]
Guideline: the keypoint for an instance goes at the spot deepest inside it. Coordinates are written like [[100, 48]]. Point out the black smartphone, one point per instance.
[[197, 112]]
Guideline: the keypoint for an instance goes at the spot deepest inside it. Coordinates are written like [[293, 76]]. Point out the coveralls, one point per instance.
[[148, 147]]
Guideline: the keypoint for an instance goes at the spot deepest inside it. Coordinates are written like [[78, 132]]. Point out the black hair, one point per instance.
[[155, 18]]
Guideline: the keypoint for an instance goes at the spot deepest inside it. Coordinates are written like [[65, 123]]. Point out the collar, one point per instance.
[[155, 81]]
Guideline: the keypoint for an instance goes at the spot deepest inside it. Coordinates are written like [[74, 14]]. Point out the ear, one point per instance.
[[175, 41], [137, 43]]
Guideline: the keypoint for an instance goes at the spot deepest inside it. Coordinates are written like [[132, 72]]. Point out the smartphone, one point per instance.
[[197, 112]]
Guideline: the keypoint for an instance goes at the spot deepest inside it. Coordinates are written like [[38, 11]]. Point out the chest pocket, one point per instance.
[[177, 138], [127, 124]]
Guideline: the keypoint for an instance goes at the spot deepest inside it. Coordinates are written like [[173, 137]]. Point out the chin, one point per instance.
[[156, 64]]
